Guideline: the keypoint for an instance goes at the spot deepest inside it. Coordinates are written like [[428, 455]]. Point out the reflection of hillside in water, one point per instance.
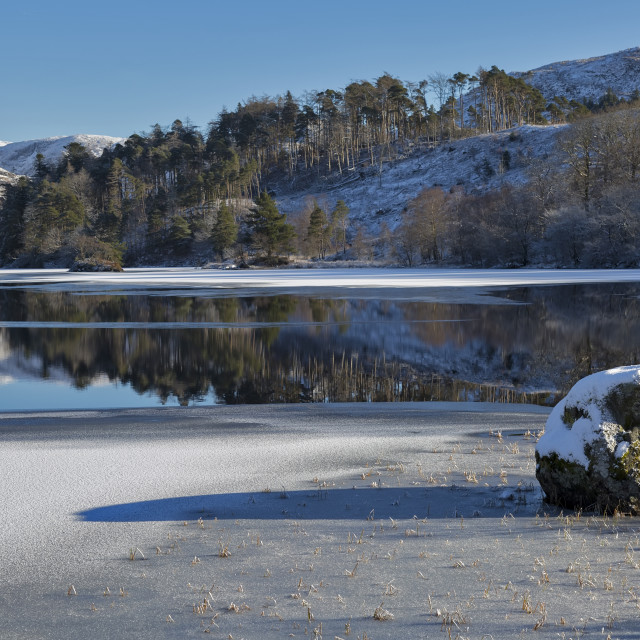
[[318, 349]]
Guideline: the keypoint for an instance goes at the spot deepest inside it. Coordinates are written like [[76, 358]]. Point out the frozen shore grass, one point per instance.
[[338, 521]]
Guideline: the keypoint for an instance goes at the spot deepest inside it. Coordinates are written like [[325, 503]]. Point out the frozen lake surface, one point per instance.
[[279, 279], [295, 521]]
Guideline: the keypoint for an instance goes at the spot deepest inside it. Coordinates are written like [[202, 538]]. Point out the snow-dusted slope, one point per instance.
[[473, 164], [590, 78], [19, 157], [6, 178]]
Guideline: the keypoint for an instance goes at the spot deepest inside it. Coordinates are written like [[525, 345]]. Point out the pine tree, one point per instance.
[[76, 155], [12, 219], [271, 232], [41, 169], [180, 235], [225, 231], [318, 231]]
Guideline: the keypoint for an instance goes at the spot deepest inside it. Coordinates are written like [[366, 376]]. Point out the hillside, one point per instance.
[[473, 164], [19, 157], [588, 79]]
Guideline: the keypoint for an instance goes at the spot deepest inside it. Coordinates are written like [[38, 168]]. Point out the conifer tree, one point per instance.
[[180, 235], [271, 232], [318, 231], [41, 169], [12, 219], [225, 231]]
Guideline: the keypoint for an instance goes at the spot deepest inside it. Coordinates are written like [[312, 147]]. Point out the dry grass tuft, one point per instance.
[[382, 614], [134, 552]]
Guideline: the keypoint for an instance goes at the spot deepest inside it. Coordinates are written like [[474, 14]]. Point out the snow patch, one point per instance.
[[621, 449]]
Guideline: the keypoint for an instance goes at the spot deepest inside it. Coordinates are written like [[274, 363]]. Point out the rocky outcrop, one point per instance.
[[589, 454]]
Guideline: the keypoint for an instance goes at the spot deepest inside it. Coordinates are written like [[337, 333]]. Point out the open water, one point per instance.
[[87, 348]]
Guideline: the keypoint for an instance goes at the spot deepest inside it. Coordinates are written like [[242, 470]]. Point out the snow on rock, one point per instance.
[[6, 178], [19, 157], [589, 455]]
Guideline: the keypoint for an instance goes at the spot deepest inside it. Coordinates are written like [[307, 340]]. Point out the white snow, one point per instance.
[[621, 449], [569, 441], [19, 157], [6, 178], [416, 281]]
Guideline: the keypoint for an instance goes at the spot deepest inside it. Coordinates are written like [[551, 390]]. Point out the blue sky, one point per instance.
[[118, 67]]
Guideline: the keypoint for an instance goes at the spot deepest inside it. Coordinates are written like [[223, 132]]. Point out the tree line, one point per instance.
[[585, 213], [169, 193]]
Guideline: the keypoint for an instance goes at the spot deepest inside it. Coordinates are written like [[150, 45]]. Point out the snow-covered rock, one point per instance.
[[6, 178], [20, 157], [589, 454]]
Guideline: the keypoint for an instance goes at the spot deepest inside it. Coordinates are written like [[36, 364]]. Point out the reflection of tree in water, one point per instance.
[[560, 335]]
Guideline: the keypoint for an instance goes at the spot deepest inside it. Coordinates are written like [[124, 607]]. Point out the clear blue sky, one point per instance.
[[118, 67]]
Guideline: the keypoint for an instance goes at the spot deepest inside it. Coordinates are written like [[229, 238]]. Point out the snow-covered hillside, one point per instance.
[[19, 157], [588, 79], [473, 164]]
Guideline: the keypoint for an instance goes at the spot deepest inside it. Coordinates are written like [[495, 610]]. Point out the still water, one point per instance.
[[76, 349]]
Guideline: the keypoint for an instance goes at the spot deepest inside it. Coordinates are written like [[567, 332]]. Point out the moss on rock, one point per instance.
[[589, 456]]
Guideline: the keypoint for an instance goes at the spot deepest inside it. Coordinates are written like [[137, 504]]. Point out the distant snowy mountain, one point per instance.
[[588, 79], [19, 157]]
